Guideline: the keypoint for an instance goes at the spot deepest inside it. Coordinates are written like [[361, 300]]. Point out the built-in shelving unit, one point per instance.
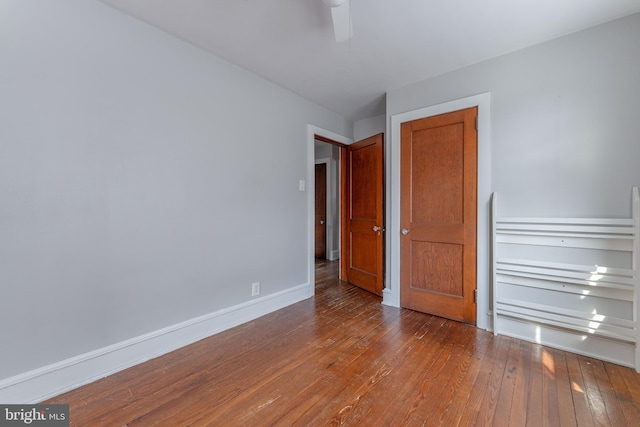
[[570, 283]]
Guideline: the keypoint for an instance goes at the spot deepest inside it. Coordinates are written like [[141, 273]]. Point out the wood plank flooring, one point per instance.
[[342, 358]]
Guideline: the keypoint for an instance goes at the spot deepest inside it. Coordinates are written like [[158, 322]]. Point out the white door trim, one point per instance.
[[391, 294]]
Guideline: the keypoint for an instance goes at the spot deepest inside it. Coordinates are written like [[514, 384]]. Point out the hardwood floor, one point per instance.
[[342, 358]]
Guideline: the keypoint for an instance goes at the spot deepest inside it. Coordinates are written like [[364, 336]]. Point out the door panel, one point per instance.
[[438, 211], [438, 267], [438, 156], [363, 214], [363, 191], [321, 211]]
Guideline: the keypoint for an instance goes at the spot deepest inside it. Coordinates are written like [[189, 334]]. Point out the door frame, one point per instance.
[[391, 294], [312, 131]]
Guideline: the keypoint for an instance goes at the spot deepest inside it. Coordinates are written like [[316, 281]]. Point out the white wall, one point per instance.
[[564, 120], [564, 127], [143, 182], [370, 126]]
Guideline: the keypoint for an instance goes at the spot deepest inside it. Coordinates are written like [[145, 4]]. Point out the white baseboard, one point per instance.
[[598, 347], [334, 255], [390, 298], [51, 380]]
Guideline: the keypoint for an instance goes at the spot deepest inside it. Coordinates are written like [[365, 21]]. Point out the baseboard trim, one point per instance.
[[334, 255], [51, 380], [390, 298]]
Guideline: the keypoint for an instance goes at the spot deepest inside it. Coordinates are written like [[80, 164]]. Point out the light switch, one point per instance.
[[301, 185]]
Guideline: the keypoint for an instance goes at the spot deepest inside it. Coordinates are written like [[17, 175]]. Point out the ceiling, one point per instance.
[[395, 43]]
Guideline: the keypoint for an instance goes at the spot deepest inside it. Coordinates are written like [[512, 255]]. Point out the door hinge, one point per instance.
[[475, 296]]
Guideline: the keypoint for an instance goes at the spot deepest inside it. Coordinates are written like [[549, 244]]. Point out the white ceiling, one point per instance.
[[395, 42]]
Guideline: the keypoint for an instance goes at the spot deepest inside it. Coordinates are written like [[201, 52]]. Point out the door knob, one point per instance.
[[376, 228], [405, 231], [321, 221]]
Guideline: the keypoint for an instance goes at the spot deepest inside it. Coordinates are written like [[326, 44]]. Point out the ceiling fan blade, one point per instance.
[[342, 26]]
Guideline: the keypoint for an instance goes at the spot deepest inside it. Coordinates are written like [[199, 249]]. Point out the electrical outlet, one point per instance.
[[255, 289]]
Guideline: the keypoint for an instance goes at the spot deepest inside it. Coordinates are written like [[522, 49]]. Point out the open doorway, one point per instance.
[[348, 220], [327, 209], [356, 228], [325, 140], [327, 200]]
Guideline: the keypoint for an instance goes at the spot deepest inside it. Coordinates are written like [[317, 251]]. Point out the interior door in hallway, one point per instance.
[[438, 200], [321, 211], [363, 214]]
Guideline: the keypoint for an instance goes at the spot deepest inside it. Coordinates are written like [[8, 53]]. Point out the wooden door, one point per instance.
[[363, 214], [321, 211], [438, 200]]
